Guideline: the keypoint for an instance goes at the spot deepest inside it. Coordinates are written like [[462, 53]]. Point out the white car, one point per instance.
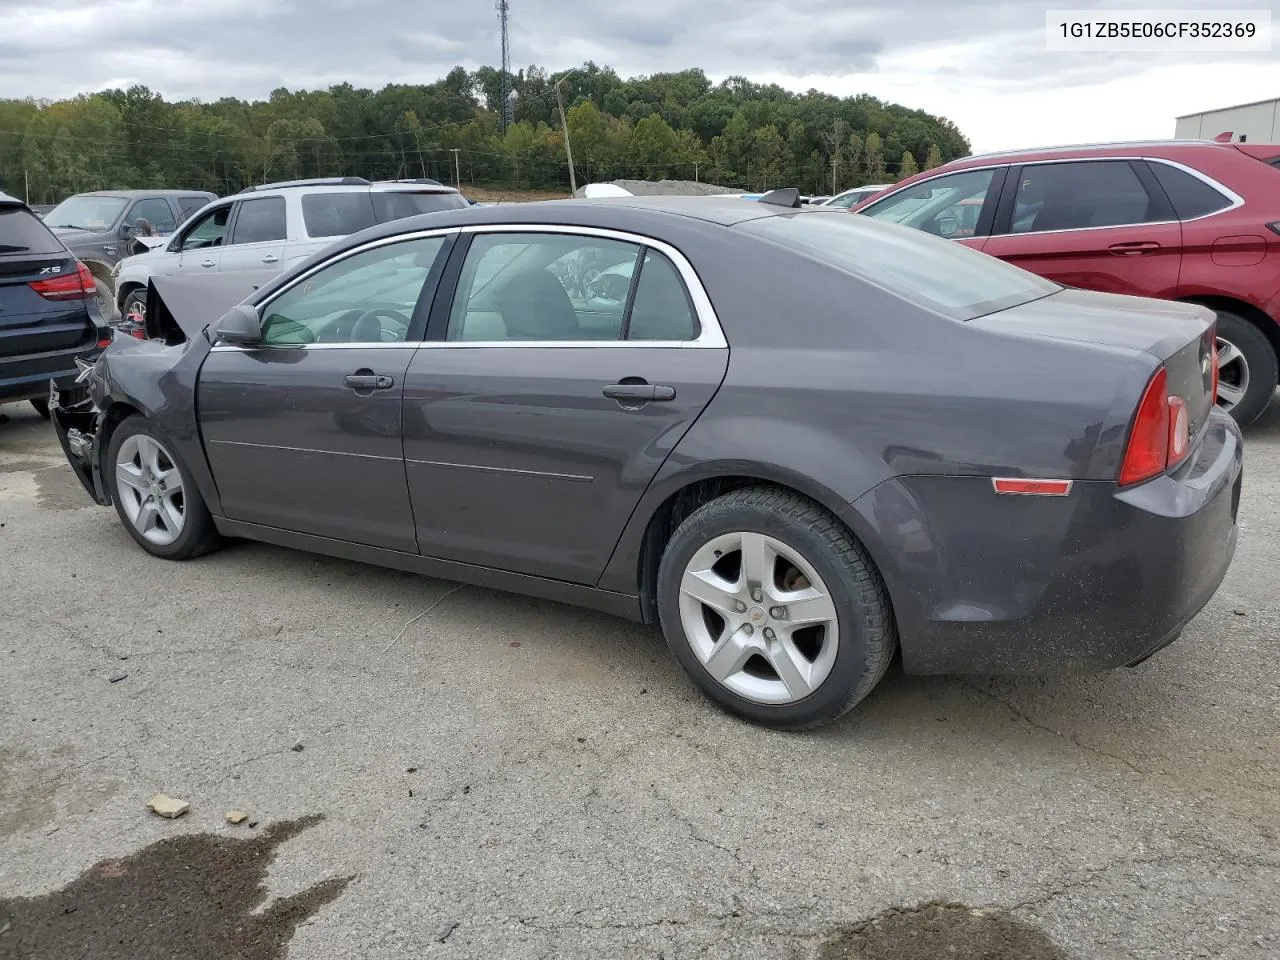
[[851, 198], [271, 227]]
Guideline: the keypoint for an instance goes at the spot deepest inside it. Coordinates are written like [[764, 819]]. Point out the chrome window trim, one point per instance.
[[710, 335], [1237, 201]]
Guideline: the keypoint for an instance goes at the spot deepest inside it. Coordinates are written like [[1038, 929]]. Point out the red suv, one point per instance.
[[1179, 220]]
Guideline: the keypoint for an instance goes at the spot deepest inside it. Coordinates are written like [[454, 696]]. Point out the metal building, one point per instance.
[[1257, 122]]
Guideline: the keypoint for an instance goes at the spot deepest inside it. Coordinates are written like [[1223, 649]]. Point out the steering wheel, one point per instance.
[[395, 316]]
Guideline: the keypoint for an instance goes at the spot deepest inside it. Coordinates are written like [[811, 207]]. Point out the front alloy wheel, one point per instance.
[[151, 490]]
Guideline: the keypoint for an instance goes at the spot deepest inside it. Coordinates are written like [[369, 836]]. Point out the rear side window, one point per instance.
[[23, 232], [336, 214], [1191, 197], [661, 309], [1079, 195], [397, 205], [259, 221], [934, 273]]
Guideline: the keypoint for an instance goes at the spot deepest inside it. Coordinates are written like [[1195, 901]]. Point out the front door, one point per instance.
[[258, 236], [550, 391], [304, 432], [1091, 224], [201, 244]]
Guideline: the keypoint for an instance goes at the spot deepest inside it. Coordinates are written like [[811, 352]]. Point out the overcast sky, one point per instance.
[[981, 63]]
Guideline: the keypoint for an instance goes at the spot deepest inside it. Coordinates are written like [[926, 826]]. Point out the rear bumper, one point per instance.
[[1101, 578], [27, 377]]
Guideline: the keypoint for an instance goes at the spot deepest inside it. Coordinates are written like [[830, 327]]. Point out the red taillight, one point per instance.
[[104, 343], [1161, 434], [71, 286]]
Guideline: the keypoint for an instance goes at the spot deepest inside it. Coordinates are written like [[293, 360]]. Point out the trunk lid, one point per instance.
[[30, 323], [1179, 335]]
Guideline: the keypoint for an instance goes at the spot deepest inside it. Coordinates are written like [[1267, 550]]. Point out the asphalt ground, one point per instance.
[[504, 777]]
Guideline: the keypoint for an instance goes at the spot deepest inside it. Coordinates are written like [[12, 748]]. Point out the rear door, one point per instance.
[[1094, 224], [536, 415], [258, 235], [41, 308]]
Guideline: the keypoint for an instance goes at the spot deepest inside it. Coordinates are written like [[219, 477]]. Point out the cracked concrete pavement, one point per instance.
[[512, 778]]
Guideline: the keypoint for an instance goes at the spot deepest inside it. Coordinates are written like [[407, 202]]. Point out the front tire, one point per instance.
[[1247, 368], [154, 495], [774, 610]]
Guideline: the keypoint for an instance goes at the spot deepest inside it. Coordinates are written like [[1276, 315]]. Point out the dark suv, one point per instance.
[[49, 315], [1197, 221], [98, 227]]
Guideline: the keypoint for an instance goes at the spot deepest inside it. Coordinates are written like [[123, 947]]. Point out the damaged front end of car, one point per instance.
[[79, 426]]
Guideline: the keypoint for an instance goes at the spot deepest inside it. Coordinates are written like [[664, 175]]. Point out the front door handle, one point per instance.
[[1134, 248], [366, 381], [209, 263], [641, 391], [271, 258]]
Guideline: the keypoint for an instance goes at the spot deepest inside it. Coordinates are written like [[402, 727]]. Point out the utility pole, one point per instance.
[[564, 125], [457, 178], [26, 186], [504, 86], [695, 172]]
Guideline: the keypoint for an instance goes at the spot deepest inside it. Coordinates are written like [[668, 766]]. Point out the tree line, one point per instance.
[[669, 125]]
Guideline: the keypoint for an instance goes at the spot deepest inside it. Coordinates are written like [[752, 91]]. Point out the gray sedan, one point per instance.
[[797, 441]]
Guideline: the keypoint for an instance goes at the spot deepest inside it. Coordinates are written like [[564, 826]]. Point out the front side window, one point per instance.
[[260, 221], [369, 297], [946, 206], [86, 212], [156, 212], [209, 231], [947, 277], [1079, 195], [337, 214]]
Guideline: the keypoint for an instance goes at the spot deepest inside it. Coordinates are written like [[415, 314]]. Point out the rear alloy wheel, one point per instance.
[[773, 609], [1246, 368], [154, 495]]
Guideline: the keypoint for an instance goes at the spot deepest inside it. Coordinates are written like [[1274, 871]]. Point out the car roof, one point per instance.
[[1130, 148], [135, 194], [5, 198]]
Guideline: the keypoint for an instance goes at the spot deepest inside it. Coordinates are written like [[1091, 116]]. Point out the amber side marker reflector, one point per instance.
[[1032, 488]]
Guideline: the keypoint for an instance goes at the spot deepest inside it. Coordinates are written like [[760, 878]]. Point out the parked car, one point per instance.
[[275, 226], [99, 227], [40, 209], [819, 199], [49, 317], [1196, 221], [855, 196], [937, 451]]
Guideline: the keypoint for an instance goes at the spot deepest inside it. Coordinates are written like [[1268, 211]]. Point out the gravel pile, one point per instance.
[[669, 188]]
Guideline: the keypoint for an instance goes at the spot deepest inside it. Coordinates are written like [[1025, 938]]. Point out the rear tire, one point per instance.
[[774, 610], [42, 406], [1246, 360], [167, 519]]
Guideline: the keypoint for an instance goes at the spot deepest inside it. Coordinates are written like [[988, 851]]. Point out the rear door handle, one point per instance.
[[271, 258], [366, 381], [209, 263], [639, 391], [1134, 248]]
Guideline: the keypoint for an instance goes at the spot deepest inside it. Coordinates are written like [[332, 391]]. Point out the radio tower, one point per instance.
[[503, 16]]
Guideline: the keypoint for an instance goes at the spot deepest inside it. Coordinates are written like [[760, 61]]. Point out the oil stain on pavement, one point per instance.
[[941, 930], [191, 897]]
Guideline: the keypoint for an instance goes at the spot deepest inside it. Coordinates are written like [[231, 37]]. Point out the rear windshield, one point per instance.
[[939, 274], [336, 214], [394, 205], [22, 232]]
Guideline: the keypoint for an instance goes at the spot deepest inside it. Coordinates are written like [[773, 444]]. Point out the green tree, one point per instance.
[[907, 166], [934, 157], [873, 160]]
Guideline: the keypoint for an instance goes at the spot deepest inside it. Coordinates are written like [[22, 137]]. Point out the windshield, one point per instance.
[[938, 274], [87, 213]]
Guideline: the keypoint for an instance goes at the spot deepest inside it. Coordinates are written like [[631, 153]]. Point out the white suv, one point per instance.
[[271, 227]]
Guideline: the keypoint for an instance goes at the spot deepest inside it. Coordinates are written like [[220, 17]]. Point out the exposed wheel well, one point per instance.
[[116, 414], [124, 291], [1245, 310], [673, 512]]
